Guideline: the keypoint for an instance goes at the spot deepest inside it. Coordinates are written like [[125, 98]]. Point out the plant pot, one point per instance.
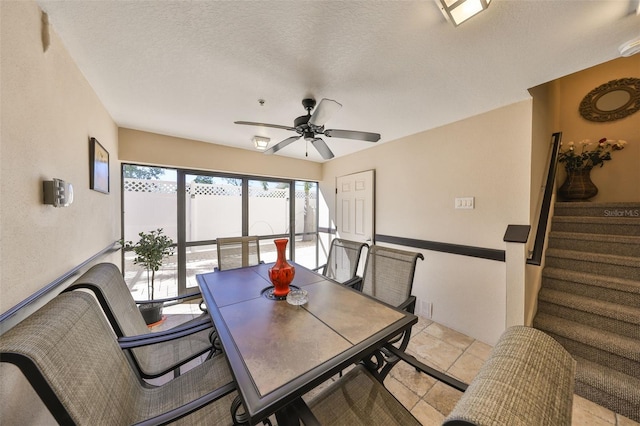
[[281, 274], [151, 312], [578, 186]]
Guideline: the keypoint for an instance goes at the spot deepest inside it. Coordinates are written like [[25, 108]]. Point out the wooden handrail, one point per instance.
[[545, 208]]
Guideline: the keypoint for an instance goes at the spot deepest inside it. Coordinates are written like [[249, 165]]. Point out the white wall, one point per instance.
[[417, 179]]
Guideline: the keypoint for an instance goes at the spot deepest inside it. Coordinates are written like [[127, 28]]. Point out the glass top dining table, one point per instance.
[[277, 351]]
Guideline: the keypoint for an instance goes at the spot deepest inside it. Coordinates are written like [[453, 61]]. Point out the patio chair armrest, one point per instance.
[[196, 404], [129, 342], [355, 283], [409, 305]]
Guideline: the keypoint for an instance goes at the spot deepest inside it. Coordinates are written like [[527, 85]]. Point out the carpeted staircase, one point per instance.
[[590, 299]]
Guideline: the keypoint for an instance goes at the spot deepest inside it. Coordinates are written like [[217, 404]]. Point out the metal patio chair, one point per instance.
[[170, 349], [238, 252], [388, 276], [528, 379], [342, 262], [68, 353]]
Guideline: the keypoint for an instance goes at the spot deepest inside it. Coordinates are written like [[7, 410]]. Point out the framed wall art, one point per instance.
[[98, 167]]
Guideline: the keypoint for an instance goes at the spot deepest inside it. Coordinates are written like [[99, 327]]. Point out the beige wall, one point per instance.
[[48, 113], [544, 124], [152, 148], [556, 109], [417, 179], [619, 179]]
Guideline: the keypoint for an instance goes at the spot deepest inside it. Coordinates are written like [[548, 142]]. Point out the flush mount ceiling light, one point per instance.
[[260, 142], [458, 11], [631, 47]]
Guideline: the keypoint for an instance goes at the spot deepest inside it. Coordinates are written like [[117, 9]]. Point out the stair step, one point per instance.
[[590, 298], [616, 391], [606, 316], [626, 267], [597, 225], [618, 209], [586, 304], [603, 323], [621, 285], [618, 352], [621, 245]]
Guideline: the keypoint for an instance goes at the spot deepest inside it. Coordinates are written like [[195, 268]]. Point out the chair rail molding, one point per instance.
[[29, 305]]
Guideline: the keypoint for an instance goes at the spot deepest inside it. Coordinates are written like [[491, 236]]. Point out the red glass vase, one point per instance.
[[281, 274]]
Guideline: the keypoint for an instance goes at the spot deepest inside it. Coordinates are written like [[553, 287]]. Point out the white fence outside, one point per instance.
[[212, 210]]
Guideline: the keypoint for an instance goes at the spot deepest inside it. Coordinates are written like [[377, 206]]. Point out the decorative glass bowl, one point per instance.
[[297, 296]]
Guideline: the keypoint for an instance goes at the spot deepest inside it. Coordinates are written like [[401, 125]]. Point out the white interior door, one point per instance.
[[355, 216]]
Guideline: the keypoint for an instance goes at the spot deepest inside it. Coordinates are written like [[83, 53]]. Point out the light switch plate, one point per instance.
[[465, 202]]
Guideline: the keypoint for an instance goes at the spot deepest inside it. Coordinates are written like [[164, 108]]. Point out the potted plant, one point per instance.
[[150, 251], [578, 160]]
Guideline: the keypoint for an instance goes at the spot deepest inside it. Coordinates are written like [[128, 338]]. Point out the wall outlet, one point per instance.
[[465, 202]]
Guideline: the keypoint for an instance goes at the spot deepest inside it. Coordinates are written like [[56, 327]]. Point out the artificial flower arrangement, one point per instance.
[[584, 155]]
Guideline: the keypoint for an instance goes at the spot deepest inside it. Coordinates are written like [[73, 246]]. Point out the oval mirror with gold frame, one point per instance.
[[612, 101]]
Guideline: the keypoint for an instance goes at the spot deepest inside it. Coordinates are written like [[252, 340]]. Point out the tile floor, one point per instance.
[[459, 356]]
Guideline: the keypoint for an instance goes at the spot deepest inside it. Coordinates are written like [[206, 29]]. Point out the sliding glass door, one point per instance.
[[212, 208], [149, 197], [195, 208]]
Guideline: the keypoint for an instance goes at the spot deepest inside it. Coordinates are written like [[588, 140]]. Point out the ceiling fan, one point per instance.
[[310, 125]]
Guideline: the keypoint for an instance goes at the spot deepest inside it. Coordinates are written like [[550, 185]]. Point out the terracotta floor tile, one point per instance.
[[442, 397], [450, 336], [466, 367], [434, 352], [427, 414]]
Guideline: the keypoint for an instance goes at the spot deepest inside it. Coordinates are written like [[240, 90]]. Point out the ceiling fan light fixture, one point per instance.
[[261, 142], [458, 11]]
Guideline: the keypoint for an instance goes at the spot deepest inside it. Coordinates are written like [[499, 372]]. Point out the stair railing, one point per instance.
[[545, 206]]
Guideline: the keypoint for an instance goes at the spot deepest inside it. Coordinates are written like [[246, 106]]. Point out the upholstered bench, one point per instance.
[[527, 380]]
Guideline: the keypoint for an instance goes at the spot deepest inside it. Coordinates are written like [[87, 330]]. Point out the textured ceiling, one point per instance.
[[190, 69]]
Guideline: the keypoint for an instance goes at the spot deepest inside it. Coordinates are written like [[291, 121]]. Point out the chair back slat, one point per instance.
[[343, 260], [106, 281], [68, 353], [238, 252], [388, 274]]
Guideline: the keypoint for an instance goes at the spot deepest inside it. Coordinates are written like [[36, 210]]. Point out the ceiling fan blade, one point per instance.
[[322, 148], [275, 126], [277, 147], [352, 134], [324, 111]]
